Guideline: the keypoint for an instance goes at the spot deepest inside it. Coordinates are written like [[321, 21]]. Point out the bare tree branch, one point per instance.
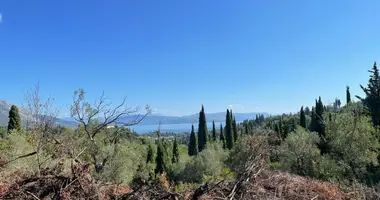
[[97, 117]]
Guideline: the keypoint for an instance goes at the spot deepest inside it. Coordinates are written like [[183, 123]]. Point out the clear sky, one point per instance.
[[271, 56]]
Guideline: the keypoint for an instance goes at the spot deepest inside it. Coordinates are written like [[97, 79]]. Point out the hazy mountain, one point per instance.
[[217, 117], [6, 106]]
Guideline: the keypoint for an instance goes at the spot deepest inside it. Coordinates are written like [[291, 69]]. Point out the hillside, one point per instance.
[[5, 106]]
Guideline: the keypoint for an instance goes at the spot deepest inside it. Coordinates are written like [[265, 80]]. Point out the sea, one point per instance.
[[172, 128]]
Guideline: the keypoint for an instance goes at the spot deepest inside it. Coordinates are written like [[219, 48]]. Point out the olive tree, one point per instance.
[[40, 122], [95, 119]]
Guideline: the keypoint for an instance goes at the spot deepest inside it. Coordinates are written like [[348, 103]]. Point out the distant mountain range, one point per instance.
[[5, 106], [217, 117], [149, 120]]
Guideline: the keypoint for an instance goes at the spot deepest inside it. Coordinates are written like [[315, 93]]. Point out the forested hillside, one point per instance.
[[322, 152]]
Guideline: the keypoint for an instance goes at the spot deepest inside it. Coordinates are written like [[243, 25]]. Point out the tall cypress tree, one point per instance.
[[294, 124], [348, 95], [320, 125], [228, 131], [160, 158], [234, 129], [213, 131], [175, 157], [150, 156], [313, 123], [302, 118], [202, 131], [221, 136], [14, 122], [193, 148], [372, 98], [246, 129]]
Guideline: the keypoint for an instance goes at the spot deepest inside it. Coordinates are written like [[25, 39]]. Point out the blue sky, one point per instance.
[[271, 56]]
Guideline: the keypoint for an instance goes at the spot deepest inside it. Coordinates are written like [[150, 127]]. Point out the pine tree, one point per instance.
[[213, 131], [202, 131], [14, 119], [234, 129], [193, 148], [150, 156], [302, 118], [221, 136], [372, 92], [228, 131], [348, 95], [175, 157]]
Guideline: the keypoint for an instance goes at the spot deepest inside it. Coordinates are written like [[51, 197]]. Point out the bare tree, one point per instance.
[[96, 117], [40, 120]]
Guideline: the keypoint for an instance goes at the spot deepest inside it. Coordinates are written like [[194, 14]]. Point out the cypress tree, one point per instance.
[[175, 157], [320, 125], [160, 158], [202, 131], [234, 129], [14, 122], [294, 124], [246, 129], [150, 156], [281, 129], [307, 111], [228, 131], [330, 117], [302, 118], [213, 131], [193, 143], [348, 95], [313, 123], [221, 136], [372, 98]]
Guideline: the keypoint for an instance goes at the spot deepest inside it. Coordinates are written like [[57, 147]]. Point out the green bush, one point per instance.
[[208, 163], [299, 153], [353, 143], [123, 167], [12, 146]]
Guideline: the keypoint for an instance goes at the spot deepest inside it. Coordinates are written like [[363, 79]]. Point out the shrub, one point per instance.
[[123, 167], [299, 153], [353, 143], [208, 163], [249, 149], [13, 146]]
